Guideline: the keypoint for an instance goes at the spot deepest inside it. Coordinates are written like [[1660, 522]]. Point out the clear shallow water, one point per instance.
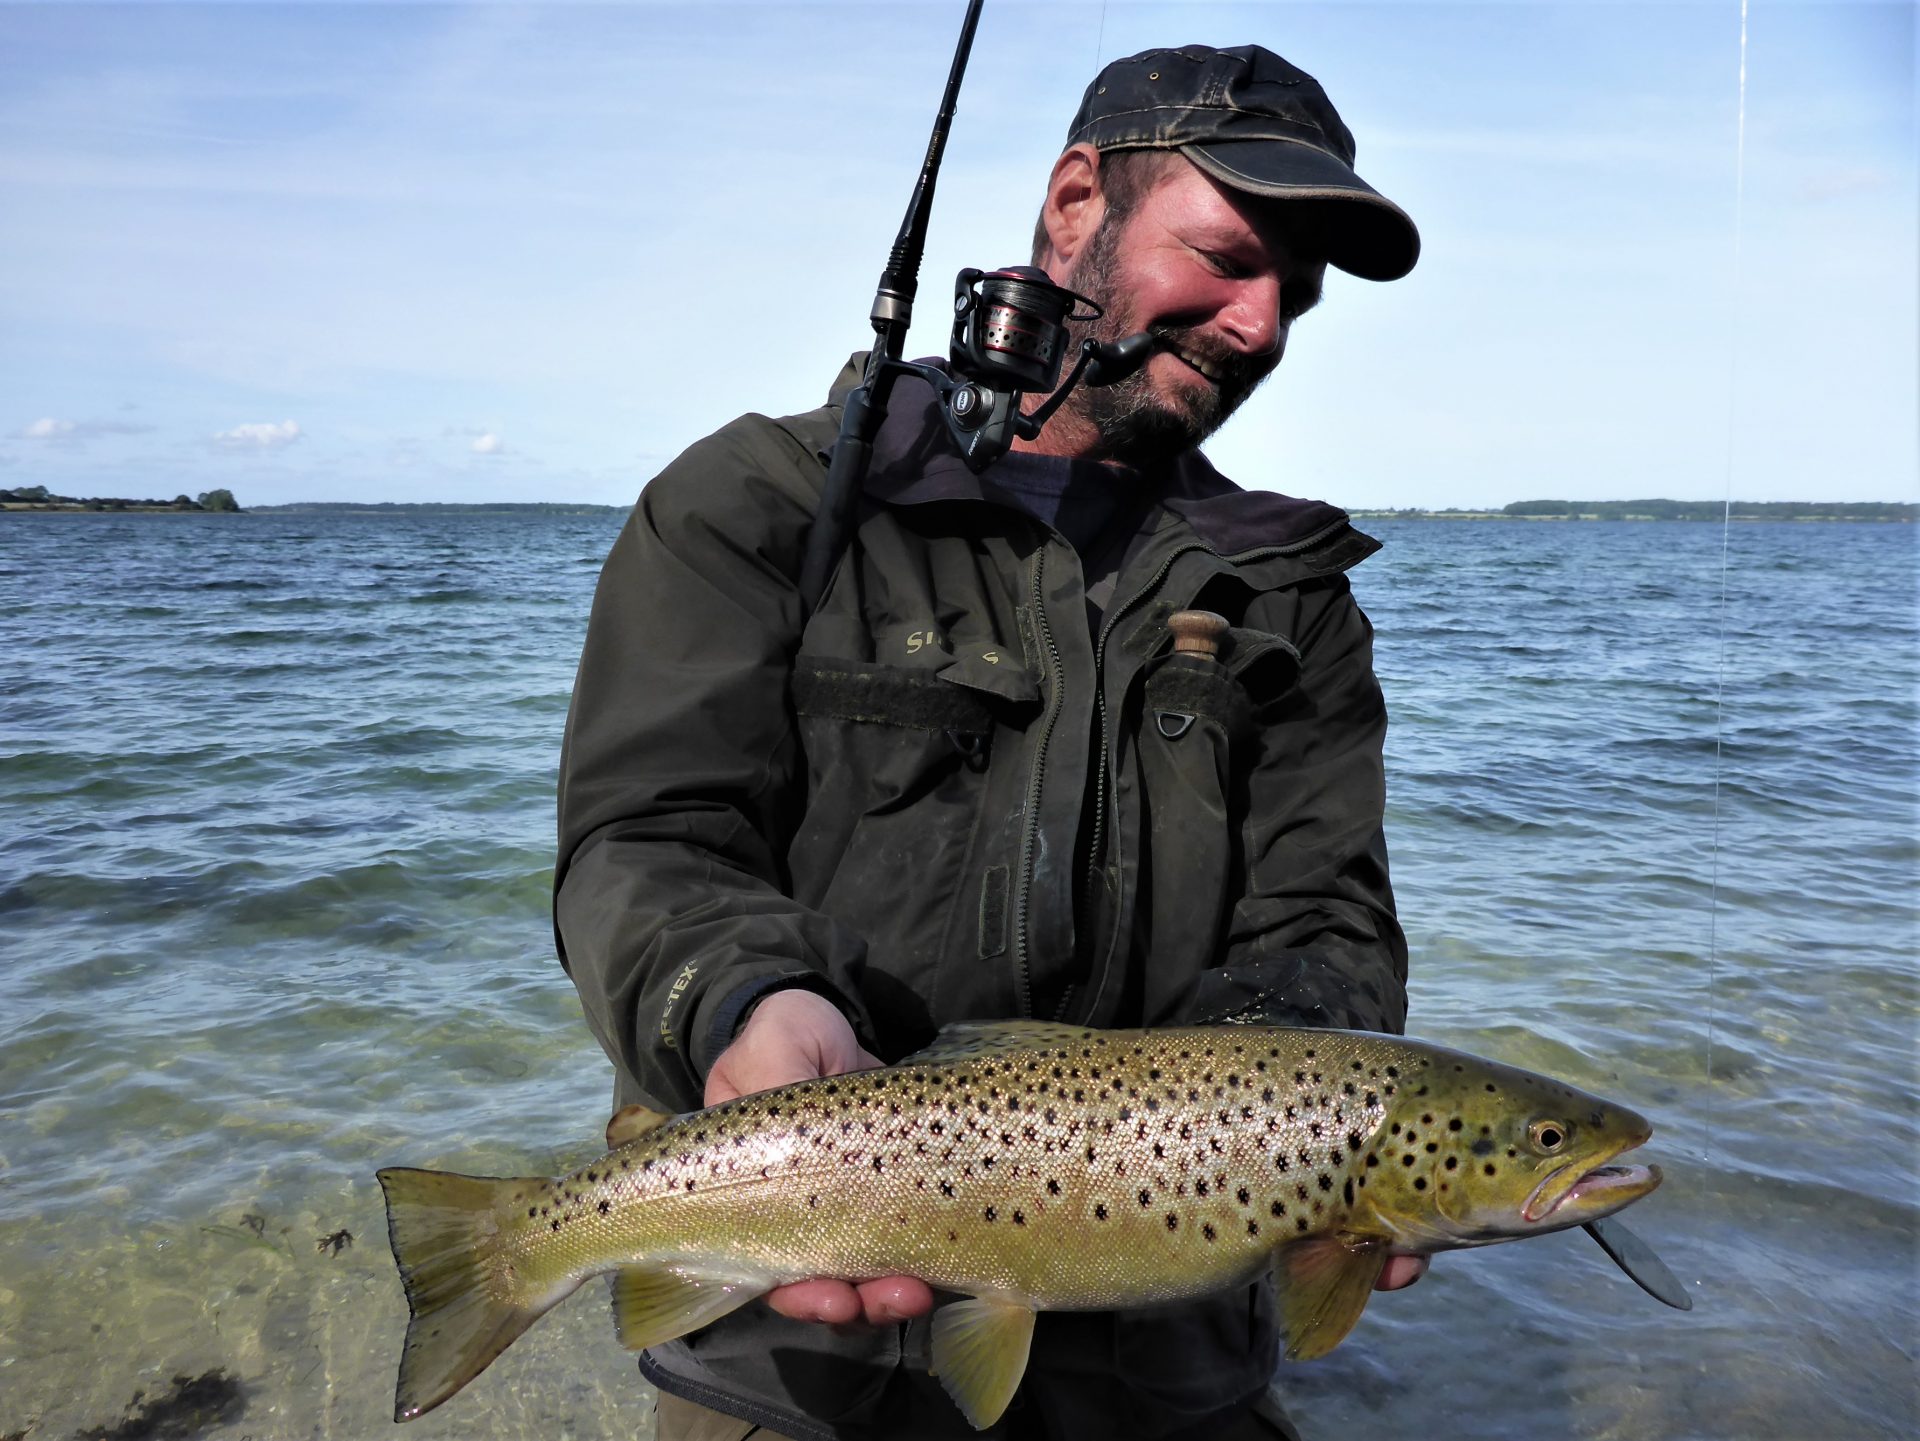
[[275, 829]]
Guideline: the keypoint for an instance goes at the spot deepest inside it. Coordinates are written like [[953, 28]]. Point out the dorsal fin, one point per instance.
[[980, 1038], [630, 1123]]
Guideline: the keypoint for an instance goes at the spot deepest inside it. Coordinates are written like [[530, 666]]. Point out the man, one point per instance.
[[973, 783]]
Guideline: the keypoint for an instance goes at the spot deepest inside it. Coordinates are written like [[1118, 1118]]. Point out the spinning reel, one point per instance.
[[1009, 337]]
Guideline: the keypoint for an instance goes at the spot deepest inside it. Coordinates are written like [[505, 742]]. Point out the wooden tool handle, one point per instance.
[[1197, 632]]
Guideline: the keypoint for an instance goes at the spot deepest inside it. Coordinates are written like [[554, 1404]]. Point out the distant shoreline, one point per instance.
[[1894, 512], [1819, 515]]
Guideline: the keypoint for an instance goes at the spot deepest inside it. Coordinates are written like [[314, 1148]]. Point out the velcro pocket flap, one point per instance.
[[1266, 665], [854, 690]]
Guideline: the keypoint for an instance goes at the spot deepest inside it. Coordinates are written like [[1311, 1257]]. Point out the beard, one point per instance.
[[1136, 424]]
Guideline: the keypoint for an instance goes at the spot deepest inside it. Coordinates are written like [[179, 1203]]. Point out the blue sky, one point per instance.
[[501, 252]]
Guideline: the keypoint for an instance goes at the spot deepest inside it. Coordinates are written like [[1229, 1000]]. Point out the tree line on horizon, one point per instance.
[[1712, 510], [38, 495]]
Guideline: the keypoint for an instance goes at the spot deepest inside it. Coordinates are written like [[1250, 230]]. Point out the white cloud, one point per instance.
[[47, 428], [260, 435], [488, 444]]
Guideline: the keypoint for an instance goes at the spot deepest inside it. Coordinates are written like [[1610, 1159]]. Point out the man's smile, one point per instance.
[[1212, 373]]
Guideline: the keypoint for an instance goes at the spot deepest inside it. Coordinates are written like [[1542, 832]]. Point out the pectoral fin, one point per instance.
[[980, 1354], [1637, 1259], [1324, 1285], [629, 1123], [652, 1305]]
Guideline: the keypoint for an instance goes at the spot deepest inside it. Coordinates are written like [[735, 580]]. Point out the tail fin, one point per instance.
[[446, 1237]]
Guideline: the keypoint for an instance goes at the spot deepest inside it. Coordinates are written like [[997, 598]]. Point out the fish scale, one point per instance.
[[1029, 1167]]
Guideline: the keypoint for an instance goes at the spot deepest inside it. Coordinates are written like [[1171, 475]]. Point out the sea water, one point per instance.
[[276, 814]]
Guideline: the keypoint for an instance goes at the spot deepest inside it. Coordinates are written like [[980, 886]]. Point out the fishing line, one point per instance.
[[1100, 43], [1726, 533]]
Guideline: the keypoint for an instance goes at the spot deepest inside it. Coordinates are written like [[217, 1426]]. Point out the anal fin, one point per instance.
[[980, 1353], [1324, 1284], [654, 1304]]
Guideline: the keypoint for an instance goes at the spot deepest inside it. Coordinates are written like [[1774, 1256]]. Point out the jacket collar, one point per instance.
[[914, 461]]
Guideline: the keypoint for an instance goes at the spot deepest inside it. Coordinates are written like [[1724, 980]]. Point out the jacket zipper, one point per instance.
[[1030, 841]]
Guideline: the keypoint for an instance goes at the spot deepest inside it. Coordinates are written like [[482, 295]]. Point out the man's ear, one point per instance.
[[1075, 207]]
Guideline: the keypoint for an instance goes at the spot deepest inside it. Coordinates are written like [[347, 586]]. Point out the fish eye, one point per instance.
[[1547, 1136]]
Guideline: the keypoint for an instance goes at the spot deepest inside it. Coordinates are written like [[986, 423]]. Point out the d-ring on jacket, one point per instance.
[[939, 797]]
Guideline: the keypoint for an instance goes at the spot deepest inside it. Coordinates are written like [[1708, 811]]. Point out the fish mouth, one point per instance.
[[1572, 1197]]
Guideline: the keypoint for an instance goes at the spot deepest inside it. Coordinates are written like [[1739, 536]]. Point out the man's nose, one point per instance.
[[1251, 318]]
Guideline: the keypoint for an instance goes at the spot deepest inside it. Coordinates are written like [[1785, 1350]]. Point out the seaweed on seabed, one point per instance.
[[187, 1408]]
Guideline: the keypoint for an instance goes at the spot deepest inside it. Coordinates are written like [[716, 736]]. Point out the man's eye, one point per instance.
[[1224, 265]]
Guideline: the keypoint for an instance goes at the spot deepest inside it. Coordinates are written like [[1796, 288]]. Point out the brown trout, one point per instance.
[[1025, 1166]]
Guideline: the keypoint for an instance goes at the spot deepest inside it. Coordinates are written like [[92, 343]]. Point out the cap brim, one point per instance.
[[1363, 232]]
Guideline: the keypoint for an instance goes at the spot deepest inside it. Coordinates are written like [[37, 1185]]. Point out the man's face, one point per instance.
[[1213, 278]]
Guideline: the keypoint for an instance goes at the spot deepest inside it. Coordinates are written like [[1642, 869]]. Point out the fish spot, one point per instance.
[[1053, 1188], [1173, 1221], [1243, 1196], [989, 1213], [1253, 1228], [1419, 1183], [532, 1211], [1451, 1162], [604, 1207], [1146, 1197], [1208, 1232], [1100, 1213], [1326, 1181], [1491, 1169], [1019, 1218], [1482, 1147]]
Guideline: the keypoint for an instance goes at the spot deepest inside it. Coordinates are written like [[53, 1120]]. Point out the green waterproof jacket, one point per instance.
[[943, 796]]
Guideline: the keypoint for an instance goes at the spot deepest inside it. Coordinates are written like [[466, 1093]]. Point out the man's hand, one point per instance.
[[795, 1036]]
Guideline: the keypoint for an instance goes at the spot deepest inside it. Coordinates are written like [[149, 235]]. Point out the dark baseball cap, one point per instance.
[[1257, 125]]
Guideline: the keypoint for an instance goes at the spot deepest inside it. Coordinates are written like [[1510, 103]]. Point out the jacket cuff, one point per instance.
[[723, 1011]]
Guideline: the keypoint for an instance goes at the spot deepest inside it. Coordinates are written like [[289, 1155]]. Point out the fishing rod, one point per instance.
[[1008, 340]]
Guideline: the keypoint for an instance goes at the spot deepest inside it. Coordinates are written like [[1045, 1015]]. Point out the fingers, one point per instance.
[[894, 1298], [832, 1302], [879, 1303], [1401, 1270]]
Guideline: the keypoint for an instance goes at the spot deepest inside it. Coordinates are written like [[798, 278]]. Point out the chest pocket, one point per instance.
[[899, 765], [1196, 725]]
